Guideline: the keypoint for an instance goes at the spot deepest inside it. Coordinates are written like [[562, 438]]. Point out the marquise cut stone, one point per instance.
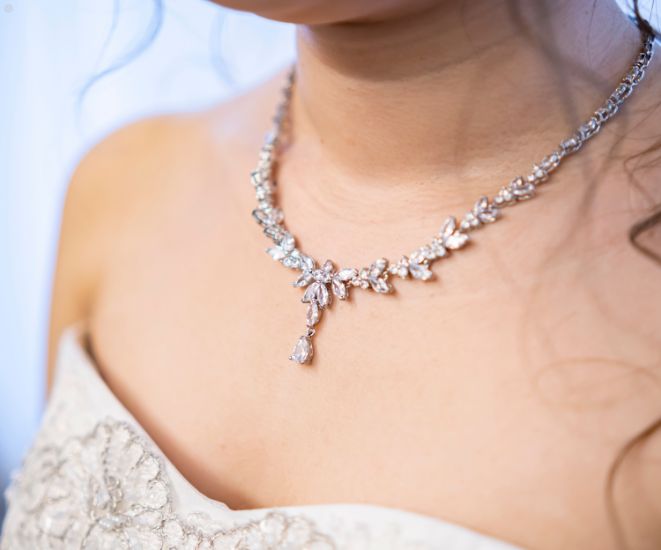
[[347, 274], [339, 288], [448, 227], [380, 285], [310, 294], [456, 240], [323, 296], [313, 315], [276, 252], [304, 280]]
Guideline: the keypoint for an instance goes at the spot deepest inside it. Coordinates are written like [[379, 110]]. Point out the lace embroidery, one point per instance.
[[106, 490]]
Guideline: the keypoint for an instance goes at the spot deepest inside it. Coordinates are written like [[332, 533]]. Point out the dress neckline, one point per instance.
[[73, 353]]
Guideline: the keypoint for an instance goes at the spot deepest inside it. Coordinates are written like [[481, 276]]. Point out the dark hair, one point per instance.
[[651, 156]]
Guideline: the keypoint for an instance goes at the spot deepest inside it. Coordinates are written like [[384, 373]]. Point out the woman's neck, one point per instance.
[[457, 87]]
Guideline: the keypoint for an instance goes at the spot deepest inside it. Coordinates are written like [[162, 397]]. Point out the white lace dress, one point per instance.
[[94, 479]]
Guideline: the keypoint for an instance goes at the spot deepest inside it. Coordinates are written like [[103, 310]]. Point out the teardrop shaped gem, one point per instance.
[[302, 352]]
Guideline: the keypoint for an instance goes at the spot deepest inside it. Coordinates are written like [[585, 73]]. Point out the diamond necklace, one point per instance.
[[323, 281]]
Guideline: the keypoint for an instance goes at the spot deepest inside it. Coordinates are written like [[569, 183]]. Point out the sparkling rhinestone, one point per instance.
[[276, 253], [339, 288], [302, 350], [304, 280], [420, 271], [380, 285], [313, 314], [456, 240], [311, 292], [347, 274], [291, 261]]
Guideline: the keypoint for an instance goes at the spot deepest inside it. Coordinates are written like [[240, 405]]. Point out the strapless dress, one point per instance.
[[94, 479]]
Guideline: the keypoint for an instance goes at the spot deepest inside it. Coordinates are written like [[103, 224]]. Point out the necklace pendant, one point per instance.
[[303, 350], [321, 284]]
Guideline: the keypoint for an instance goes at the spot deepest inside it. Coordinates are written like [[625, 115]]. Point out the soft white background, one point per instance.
[[49, 49]]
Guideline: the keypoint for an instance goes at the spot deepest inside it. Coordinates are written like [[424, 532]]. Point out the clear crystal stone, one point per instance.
[[505, 196], [401, 268], [438, 249], [456, 240], [311, 293], [339, 288], [323, 296], [381, 264], [362, 283], [292, 261], [302, 352], [307, 263], [256, 178], [276, 252], [262, 192], [274, 232], [426, 252], [470, 220], [448, 227], [420, 271], [288, 242], [522, 189], [304, 280], [261, 216], [347, 274], [539, 174], [481, 204], [379, 285], [313, 315], [483, 212], [489, 215], [321, 275], [550, 162]]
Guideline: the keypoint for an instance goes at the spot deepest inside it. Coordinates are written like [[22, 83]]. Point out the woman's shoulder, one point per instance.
[[138, 175], [132, 163]]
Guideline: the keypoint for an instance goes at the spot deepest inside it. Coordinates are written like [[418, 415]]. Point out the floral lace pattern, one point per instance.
[[94, 480], [106, 490]]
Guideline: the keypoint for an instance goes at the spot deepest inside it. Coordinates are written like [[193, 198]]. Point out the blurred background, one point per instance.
[[71, 72], [60, 95]]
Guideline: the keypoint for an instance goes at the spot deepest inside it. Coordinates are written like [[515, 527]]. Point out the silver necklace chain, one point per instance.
[[324, 281]]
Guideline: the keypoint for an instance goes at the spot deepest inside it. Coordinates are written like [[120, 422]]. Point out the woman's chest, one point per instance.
[[461, 407], [496, 409]]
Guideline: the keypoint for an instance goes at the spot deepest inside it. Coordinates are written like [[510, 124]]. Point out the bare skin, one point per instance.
[[495, 397]]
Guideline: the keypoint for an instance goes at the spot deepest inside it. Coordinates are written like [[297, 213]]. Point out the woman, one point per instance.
[[504, 397]]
